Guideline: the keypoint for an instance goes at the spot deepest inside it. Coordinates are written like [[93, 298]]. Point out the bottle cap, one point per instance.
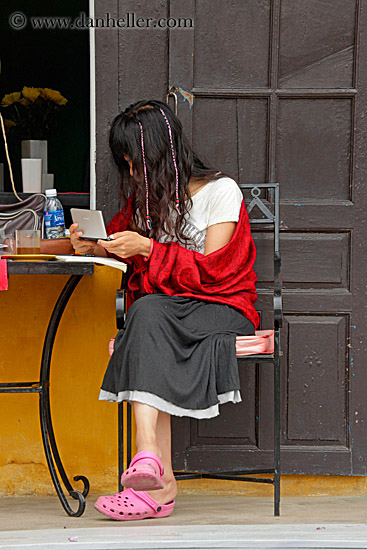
[[51, 193]]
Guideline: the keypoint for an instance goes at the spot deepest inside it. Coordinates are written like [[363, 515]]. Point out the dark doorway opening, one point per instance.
[[50, 58]]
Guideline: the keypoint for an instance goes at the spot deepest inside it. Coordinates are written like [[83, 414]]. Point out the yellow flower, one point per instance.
[[9, 124], [31, 93], [25, 102], [9, 99], [53, 95]]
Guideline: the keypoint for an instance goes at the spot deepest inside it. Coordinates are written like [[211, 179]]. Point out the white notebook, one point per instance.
[[94, 259]]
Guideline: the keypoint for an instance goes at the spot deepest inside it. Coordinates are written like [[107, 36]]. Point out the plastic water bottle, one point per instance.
[[54, 216]]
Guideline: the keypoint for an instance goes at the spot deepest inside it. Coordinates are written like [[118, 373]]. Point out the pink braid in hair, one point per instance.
[[173, 158], [149, 221]]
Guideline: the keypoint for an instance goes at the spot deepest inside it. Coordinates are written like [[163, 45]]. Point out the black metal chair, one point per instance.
[[264, 199]]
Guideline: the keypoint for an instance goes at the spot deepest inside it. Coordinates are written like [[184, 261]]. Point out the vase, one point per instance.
[[32, 175], [47, 182], [35, 149]]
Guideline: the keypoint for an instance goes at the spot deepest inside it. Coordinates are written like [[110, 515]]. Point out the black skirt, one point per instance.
[[178, 355]]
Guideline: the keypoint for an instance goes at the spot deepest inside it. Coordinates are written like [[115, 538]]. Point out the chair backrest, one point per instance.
[[262, 205], [263, 199]]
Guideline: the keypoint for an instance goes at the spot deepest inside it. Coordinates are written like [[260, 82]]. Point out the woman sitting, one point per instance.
[[185, 230]]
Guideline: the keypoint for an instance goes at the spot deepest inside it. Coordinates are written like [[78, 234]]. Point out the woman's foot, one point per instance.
[[168, 493]]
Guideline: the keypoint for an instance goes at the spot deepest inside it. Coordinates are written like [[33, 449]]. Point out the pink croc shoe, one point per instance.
[[145, 472], [130, 505]]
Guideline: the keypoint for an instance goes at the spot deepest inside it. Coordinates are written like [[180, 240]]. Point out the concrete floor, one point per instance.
[[211, 521], [36, 512]]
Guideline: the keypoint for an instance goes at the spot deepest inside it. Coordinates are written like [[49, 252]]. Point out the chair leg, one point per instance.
[[277, 435], [128, 442], [120, 414]]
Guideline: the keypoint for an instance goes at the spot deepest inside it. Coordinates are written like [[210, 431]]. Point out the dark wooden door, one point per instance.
[[279, 94]]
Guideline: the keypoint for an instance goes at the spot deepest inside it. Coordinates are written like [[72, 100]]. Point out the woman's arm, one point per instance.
[[218, 235], [129, 243]]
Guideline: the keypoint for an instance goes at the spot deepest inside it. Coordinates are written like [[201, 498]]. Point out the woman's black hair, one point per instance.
[[125, 139]]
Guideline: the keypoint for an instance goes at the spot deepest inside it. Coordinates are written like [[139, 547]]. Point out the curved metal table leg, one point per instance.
[[48, 437]]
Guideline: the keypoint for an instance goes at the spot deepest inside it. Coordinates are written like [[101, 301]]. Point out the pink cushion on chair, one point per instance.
[[110, 346], [261, 342]]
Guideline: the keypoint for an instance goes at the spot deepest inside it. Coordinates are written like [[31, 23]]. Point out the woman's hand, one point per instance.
[[84, 246], [126, 244]]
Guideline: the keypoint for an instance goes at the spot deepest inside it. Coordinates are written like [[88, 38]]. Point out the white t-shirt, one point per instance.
[[216, 202]]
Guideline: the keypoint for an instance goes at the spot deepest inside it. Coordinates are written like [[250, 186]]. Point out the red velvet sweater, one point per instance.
[[225, 276]]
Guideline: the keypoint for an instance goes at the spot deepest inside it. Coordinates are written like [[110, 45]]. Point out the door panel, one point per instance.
[[220, 49], [213, 137], [303, 266], [317, 41], [314, 132], [316, 379]]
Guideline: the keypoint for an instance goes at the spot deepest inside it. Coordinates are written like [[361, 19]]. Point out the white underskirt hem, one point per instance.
[[165, 406]]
